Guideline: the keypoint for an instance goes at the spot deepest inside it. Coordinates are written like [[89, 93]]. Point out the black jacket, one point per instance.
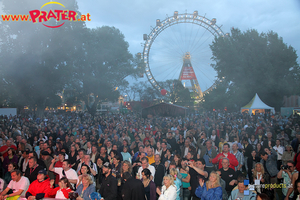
[[108, 189], [160, 171], [34, 172], [133, 189]]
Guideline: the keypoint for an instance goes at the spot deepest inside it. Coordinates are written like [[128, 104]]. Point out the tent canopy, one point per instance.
[[256, 104], [165, 110]]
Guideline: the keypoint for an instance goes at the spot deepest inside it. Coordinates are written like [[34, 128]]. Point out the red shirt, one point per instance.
[[3, 148], [37, 187], [232, 160]]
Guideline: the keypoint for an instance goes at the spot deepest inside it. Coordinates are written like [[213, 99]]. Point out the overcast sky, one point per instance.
[[135, 17]]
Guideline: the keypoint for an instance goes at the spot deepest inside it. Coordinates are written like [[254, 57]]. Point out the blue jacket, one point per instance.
[[271, 163], [86, 192], [211, 194]]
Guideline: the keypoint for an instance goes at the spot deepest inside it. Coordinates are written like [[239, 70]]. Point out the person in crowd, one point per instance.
[[11, 167], [297, 159], [150, 156], [80, 160], [169, 190], [108, 189], [149, 185], [228, 175], [134, 189], [23, 161], [239, 156], [99, 176], [85, 169], [289, 176], [269, 161], [62, 191], [145, 164], [39, 188], [125, 154], [47, 160], [65, 171], [251, 164], [259, 149], [160, 171], [269, 141], [247, 149], [103, 153], [168, 155], [288, 154], [196, 171], [10, 158], [116, 166], [186, 186], [8, 145], [177, 160], [33, 169], [211, 189], [239, 192], [73, 155], [225, 154], [262, 196], [177, 182], [296, 190], [279, 150], [92, 166], [19, 185], [126, 167], [260, 176], [158, 149], [253, 141], [208, 152], [283, 138], [295, 142], [85, 188]]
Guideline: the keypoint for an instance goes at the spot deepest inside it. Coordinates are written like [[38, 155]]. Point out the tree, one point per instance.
[[178, 93], [36, 60], [103, 66], [249, 63]]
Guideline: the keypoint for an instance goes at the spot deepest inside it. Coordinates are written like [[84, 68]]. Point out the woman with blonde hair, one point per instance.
[[126, 167], [86, 188], [177, 182], [168, 190], [259, 174], [211, 189]]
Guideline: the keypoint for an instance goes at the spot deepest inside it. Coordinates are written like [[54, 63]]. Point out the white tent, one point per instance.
[[256, 105]]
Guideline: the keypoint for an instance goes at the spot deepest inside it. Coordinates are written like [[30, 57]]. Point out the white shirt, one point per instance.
[[279, 151], [168, 194], [70, 174], [22, 184], [152, 170]]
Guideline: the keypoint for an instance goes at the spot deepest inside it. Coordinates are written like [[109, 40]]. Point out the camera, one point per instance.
[[285, 167]]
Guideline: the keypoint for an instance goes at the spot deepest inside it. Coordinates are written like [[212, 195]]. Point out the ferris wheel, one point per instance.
[[178, 46]]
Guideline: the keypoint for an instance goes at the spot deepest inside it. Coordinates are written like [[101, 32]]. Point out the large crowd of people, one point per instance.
[[210, 155]]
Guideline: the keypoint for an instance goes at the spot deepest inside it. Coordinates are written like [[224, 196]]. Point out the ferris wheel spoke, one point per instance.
[[199, 46], [167, 74], [167, 46], [197, 39]]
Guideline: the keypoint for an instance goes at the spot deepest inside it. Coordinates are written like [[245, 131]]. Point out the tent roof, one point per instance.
[[169, 104], [257, 103]]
